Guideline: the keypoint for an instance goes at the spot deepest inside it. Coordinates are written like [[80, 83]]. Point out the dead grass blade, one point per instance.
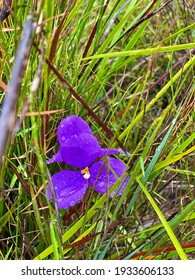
[[8, 116]]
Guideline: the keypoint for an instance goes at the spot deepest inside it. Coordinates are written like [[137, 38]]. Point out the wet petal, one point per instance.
[[103, 175], [56, 158], [80, 151], [107, 152], [69, 186], [70, 126]]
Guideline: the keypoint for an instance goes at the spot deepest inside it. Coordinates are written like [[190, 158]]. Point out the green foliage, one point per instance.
[[132, 64]]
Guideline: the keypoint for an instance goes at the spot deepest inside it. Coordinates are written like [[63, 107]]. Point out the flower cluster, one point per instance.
[[80, 149]]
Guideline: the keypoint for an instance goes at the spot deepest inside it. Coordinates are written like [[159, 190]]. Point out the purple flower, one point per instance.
[[80, 149]]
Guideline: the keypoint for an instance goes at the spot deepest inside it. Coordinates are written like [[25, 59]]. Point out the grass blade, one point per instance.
[[164, 222]]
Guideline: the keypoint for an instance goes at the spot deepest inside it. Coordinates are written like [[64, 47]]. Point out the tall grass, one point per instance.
[[127, 68]]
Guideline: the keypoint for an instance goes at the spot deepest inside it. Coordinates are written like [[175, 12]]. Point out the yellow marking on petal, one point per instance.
[[86, 173]]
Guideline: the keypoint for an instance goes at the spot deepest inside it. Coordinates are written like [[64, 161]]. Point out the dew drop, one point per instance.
[[63, 138], [72, 202], [59, 199], [62, 125], [71, 192], [101, 184]]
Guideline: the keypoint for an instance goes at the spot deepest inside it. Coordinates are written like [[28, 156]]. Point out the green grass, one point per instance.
[[126, 68]]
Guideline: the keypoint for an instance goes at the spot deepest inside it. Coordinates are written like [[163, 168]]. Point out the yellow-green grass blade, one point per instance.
[[159, 95], [166, 225], [142, 52], [173, 159]]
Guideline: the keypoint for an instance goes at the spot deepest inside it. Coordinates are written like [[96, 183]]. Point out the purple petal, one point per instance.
[[103, 175], [69, 186], [70, 126], [107, 152], [56, 158], [80, 151]]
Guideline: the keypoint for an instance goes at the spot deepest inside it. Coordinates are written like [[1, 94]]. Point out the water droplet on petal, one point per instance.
[[59, 199], [71, 192], [63, 138], [101, 184], [62, 125], [72, 202]]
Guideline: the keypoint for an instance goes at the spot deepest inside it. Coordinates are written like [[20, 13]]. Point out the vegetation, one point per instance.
[[127, 68]]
